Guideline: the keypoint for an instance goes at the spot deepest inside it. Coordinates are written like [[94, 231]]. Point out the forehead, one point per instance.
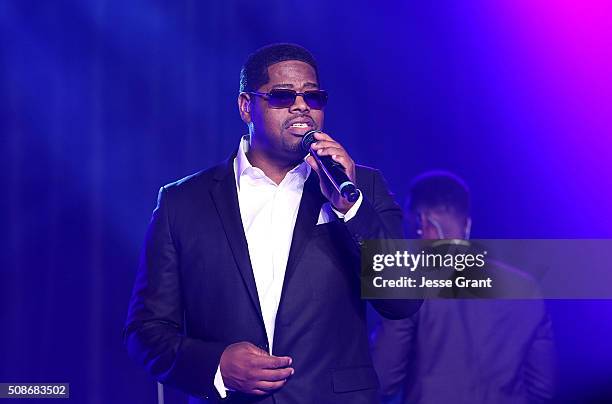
[[293, 73]]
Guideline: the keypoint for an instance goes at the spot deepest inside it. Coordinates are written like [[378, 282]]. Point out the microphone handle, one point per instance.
[[335, 172]]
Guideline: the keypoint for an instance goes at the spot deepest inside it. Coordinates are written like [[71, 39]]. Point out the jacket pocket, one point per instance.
[[353, 379]]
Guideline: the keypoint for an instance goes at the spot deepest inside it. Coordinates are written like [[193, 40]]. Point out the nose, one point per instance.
[[299, 105]]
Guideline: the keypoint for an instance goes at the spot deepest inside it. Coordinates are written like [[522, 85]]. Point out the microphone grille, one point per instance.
[[308, 140]]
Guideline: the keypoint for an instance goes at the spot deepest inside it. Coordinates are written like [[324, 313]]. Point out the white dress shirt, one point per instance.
[[268, 212]]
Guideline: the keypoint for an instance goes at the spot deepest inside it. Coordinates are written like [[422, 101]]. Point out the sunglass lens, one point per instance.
[[281, 98], [316, 99]]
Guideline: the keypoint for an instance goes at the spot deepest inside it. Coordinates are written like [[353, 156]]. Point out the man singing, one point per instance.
[[248, 285]]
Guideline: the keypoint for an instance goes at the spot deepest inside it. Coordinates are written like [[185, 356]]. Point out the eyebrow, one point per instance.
[[286, 85]]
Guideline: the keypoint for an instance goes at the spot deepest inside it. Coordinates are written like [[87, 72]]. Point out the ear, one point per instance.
[[437, 227], [244, 107]]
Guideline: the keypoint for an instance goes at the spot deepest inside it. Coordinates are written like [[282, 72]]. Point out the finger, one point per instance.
[[274, 375], [330, 151], [269, 386], [343, 160], [325, 143], [257, 350], [322, 136], [338, 156], [312, 163], [347, 164], [272, 362]]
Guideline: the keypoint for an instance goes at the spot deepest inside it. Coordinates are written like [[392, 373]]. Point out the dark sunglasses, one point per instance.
[[283, 98]]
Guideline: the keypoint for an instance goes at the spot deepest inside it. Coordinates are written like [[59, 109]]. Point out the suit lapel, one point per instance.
[[308, 214], [225, 197]]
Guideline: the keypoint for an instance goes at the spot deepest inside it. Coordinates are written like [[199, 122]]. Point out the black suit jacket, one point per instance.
[[195, 292]]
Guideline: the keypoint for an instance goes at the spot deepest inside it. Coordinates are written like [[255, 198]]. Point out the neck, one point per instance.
[[274, 169]]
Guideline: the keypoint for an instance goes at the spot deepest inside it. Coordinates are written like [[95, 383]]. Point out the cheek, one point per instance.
[[256, 117], [318, 117], [263, 123], [274, 120]]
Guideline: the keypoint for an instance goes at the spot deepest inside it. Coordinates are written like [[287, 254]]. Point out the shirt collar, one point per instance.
[[242, 165]]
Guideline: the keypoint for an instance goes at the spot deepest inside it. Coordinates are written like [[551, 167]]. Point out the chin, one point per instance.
[[294, 153], [293, 142]]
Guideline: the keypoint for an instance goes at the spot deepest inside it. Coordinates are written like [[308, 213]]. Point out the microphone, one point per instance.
[[332, 169]]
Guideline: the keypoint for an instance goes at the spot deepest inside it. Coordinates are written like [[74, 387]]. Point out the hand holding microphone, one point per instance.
[[335, 168]]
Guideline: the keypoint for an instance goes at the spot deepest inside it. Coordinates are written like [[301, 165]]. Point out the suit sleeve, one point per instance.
[[392, 347], [540, 368], [379, 217], [154, 334]]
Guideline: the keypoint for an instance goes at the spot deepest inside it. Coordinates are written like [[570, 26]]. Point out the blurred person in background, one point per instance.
[[462, 350]]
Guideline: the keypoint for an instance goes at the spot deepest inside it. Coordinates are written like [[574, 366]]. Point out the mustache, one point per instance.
[[302, 118]]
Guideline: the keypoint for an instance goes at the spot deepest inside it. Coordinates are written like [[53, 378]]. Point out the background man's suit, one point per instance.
[[195, 292], [468, 351]]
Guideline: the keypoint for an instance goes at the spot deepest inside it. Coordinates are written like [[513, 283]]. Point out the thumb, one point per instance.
[[312, 163]]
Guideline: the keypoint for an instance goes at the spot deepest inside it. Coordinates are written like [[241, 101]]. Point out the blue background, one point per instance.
[[105, 101]]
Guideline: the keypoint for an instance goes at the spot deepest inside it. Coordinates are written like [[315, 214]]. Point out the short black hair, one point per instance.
[[254, 72], [439, 189]]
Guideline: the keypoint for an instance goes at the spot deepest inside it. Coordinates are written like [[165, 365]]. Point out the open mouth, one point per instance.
[[300, 125]]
